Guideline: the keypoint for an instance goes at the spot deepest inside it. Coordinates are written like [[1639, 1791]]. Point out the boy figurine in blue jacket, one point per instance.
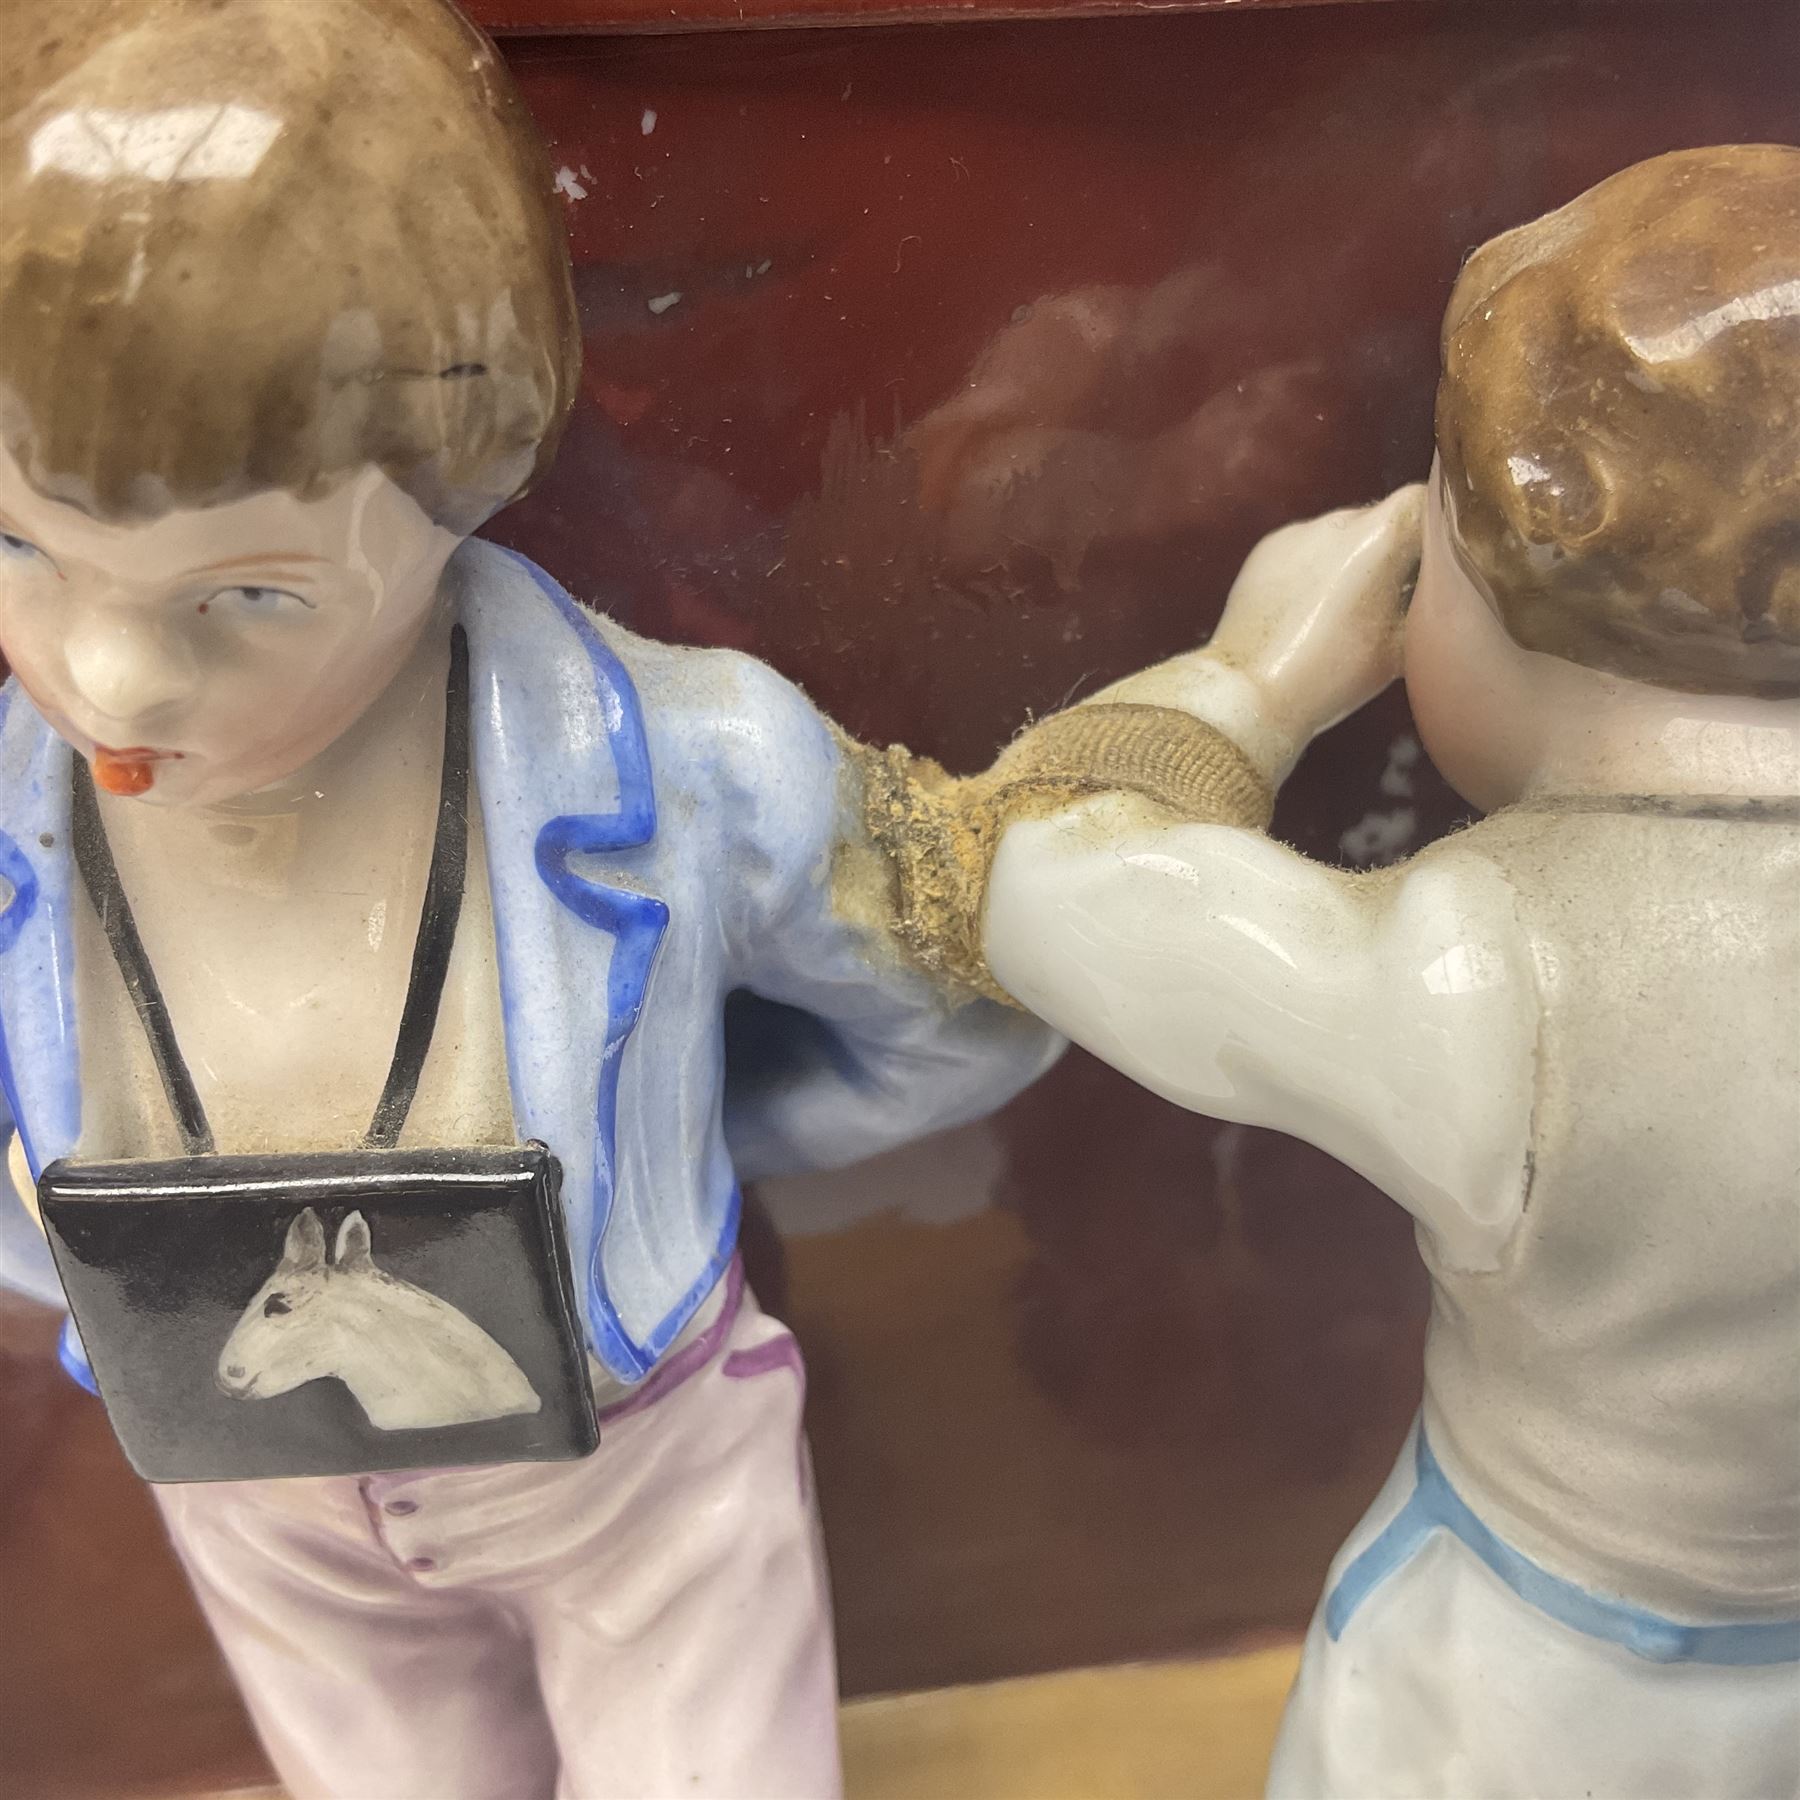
[[285, 315]]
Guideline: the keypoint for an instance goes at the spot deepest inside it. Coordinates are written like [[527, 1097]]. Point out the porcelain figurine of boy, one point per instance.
[[1567, 1039], [285, 314]]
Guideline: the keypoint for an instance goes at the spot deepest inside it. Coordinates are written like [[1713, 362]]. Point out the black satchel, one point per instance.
[[323, 1314]]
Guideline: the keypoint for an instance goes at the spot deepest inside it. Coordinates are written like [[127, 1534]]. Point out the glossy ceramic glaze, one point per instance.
[[1048, 1432]]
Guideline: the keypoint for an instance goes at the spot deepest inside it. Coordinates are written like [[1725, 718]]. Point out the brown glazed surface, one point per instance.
[[954, 371], [128, 343], [1619, 422]]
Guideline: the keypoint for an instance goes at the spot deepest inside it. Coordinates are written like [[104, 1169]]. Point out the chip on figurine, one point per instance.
[[1565, 1039], [370, 912]]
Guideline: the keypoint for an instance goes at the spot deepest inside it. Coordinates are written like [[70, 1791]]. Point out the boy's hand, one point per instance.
[[1313, 622], [1315, 615]]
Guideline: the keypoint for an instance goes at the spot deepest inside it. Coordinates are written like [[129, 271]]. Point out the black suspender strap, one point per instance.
[[100, 875], [438, 916], [444, 885]]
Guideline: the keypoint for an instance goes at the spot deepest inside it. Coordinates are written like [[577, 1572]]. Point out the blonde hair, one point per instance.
[[1619, 423], [260, 244]]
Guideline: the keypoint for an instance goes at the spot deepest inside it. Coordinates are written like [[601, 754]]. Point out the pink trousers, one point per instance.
[[650, 1622]]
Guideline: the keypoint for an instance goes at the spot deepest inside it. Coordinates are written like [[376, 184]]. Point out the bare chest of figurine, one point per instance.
[[283, 957]]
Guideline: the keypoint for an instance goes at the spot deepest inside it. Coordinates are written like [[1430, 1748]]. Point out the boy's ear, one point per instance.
[[1562, 498]]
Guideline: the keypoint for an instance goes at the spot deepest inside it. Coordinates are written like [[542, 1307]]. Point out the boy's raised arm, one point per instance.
[[1124, 891]]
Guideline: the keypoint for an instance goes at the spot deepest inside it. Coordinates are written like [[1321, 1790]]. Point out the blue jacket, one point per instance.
[[661, 829]]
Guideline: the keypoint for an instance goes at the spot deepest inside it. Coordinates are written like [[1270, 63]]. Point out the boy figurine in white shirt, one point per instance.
[[1567, 1039], [285, 315]]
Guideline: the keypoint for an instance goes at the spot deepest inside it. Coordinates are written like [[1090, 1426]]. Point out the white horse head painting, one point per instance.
[[410, 1359]]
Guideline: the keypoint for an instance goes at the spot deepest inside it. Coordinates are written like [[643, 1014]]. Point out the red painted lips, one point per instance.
[[129, 772]]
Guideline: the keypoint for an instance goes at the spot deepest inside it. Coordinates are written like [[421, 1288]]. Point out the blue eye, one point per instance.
[[264, 600], [17, 546]]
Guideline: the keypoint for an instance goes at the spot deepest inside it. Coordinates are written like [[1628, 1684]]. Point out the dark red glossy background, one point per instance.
[[954, 371]]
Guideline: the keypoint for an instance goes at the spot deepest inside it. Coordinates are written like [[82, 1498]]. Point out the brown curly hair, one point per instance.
[[258, 244], [1618, 423]]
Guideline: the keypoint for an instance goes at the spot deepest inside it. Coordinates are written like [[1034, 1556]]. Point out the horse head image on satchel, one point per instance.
[[408, 1358], [202, 1282]]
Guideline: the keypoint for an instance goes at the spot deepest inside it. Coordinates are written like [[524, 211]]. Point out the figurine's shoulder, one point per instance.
[[744, 760], [1611, 880], [718, 725], [1459, 890], [724, 705], [732, 733], [1610, 841]]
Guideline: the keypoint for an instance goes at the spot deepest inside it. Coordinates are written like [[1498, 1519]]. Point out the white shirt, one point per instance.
[[1567, 1040]]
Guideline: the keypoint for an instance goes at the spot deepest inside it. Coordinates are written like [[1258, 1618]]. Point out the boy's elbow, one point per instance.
[[981, 1057]]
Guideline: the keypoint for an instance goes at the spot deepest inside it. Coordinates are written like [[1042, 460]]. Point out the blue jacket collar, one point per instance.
[[562, 779]]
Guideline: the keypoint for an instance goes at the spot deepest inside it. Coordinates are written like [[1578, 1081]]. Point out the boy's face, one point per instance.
[[212, 653]]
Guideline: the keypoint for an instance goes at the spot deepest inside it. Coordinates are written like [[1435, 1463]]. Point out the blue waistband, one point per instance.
[[1436, 1506]]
